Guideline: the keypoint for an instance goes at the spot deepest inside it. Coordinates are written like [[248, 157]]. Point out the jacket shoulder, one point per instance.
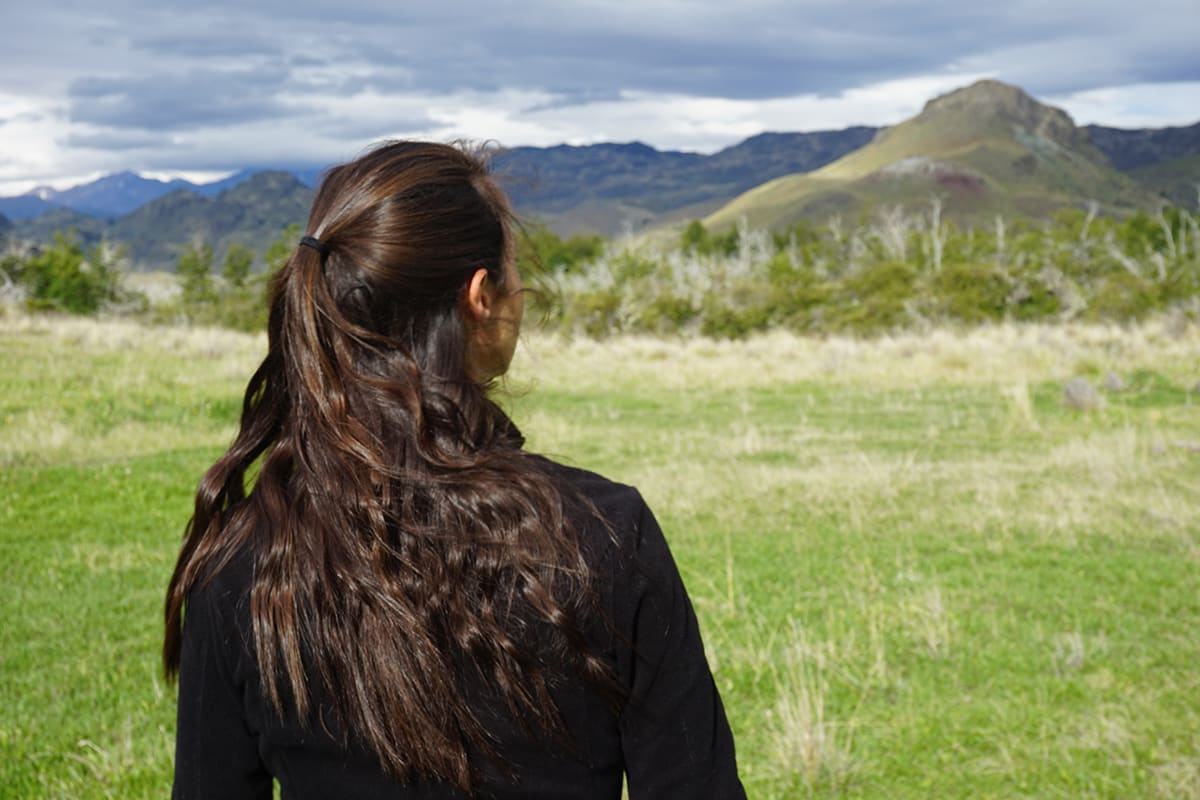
[[619, 504]]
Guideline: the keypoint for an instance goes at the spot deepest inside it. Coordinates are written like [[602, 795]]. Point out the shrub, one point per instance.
[[195, 274], [666, 313], [1032, 299], [970, 292], [62, 277], [594, 312], [1122, 296], [873, 300]]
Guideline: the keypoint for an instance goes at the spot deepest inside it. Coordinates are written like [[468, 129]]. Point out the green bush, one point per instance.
[[666, 313], [725, 322], [873, 300], [594, 312], [1031, 299], [61, 277], [1122, 296], [195, 274], [971, 293], [541, 251], [697, 240]]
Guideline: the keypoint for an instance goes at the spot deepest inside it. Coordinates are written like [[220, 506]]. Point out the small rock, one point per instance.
[[1080, 395], [1113, 382], [1176, 325]]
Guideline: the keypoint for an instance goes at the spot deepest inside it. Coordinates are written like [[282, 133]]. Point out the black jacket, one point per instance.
[[671, 741]]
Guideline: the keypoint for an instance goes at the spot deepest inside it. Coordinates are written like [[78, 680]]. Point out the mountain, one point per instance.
[[108, 197], [253, 213], [42, 228], [605, 187], [1129, 150], [985, 149], [216, 187], [114, 195], [24, 206], [1165, 160], [122, 193]]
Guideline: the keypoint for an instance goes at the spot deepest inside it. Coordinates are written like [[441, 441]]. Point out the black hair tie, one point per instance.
[[315, 244]]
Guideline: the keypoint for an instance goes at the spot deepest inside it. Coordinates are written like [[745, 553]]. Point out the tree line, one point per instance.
[[889, 270]]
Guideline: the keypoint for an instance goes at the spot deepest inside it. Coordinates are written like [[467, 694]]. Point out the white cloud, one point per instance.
[[28, 153], [1135, 106]]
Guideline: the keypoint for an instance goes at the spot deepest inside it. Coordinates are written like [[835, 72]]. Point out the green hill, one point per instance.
[[985, 149]]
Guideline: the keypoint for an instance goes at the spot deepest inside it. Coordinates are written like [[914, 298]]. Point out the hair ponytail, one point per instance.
[[398, 530]]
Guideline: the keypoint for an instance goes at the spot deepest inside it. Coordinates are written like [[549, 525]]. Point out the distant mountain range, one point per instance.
[[122, 193], [253, 212], [985, 149], [606, 187]]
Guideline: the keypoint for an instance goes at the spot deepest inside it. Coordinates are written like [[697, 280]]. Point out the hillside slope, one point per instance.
[[985, 149]]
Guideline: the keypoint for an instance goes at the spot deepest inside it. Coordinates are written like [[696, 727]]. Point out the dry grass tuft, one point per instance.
[[807, 742], [1178, 779]]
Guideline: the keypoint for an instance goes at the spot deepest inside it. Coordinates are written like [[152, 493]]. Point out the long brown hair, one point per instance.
[[398, 531]]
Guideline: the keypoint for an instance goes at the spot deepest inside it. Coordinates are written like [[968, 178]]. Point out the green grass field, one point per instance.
[[919, 574]]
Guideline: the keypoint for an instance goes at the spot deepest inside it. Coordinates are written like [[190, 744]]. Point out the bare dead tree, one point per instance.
[[937, 235], [1170, 237], [1194, 226], [894, 230], [11, 292], [835, 227], [1182, 241], [1120, 257], [1093, 207]]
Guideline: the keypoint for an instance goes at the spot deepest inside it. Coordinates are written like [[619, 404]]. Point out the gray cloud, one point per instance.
[[739, 50], [570, 98], [137, 77], [755, 50], [351, 129], [193, 45], [114, 140], [748, 50], [178, 101]]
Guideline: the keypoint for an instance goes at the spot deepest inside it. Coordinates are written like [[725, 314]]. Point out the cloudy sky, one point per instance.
[[202, 88]]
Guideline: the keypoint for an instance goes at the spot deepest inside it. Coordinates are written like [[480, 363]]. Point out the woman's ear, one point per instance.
[[480, 295]]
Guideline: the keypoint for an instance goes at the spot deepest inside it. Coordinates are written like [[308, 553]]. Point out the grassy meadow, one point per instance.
[[919, 573]]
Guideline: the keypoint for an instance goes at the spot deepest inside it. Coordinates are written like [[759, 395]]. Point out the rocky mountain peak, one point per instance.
[[988, 102]]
